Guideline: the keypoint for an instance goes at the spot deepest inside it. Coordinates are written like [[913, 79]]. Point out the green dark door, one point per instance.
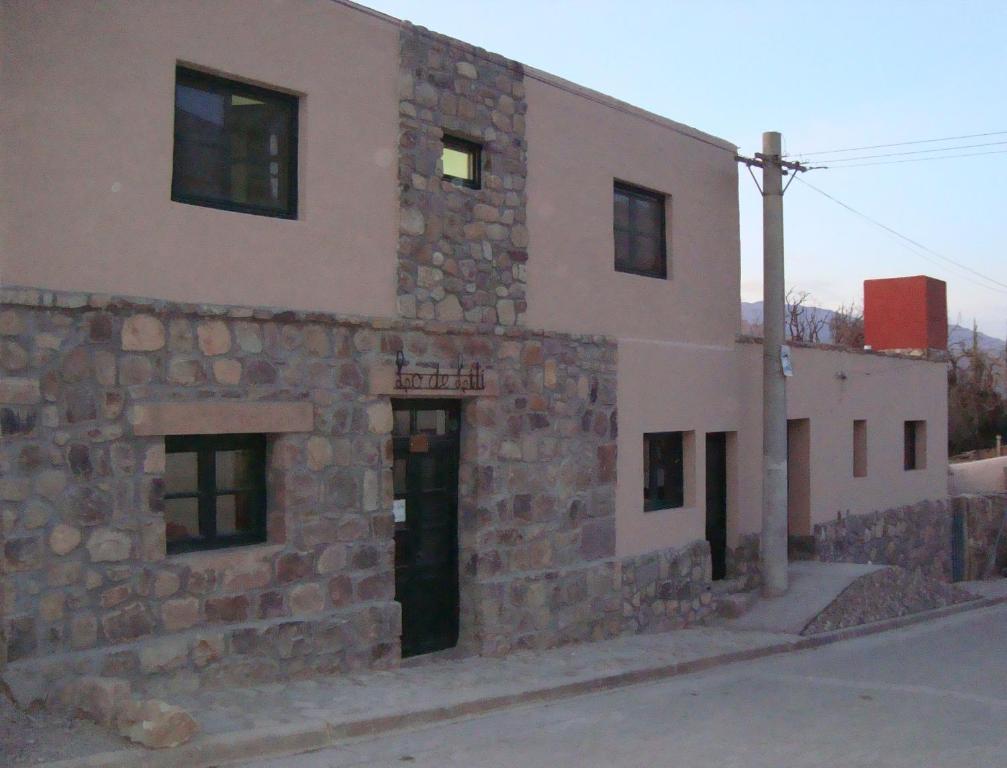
[[425, 442], [716, 501]]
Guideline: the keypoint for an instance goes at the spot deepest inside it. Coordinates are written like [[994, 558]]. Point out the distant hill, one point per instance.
[[958, 336]]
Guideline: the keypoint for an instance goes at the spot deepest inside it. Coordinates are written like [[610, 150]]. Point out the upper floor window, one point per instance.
[[215, 491], [461, 160], [235, 146], [639, 231]]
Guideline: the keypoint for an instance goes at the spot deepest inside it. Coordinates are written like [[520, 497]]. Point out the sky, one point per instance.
[[828, 76]]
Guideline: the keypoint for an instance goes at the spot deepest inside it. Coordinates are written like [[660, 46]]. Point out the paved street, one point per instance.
[[933, 695]]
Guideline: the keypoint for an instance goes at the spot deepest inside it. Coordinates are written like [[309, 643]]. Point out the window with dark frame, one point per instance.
[[461, 161], [663, 471], [215, 491], [639, 225], [915, 445], [235, 146]]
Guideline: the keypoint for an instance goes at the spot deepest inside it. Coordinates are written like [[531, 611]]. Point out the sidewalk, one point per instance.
[[277, 719]]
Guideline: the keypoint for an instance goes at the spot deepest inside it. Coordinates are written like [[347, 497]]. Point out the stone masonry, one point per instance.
[[88, 588], [462, 252], [667, 589], [918, 536]]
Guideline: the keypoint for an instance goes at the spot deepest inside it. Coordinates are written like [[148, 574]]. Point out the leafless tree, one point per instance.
[[804, 322], [847, 326], [977, 411]]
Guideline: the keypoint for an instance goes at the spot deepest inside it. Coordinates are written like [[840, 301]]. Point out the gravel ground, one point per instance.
[[29, 739], [885, 594]]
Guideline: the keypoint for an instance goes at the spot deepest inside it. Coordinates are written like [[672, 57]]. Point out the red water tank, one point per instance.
[[909, 313]]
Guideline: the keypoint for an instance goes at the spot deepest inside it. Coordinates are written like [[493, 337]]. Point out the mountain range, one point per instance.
[[958, 336]]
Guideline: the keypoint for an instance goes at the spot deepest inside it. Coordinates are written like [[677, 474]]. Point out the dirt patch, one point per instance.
[[885, 594], [30, 739]]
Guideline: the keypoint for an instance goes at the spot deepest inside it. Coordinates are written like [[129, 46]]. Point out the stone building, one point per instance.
[[327, 339]]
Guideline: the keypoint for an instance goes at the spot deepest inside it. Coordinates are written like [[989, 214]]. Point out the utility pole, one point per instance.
[[774, 383]]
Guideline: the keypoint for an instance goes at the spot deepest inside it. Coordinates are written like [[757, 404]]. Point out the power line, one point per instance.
[[900, 144], [918, 245], [914, 152], [912, 160]]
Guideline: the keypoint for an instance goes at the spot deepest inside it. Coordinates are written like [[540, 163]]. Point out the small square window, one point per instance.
[[215, 491], [235, 146], [915, 445], [462, 162], [663, 471], [639, 226]]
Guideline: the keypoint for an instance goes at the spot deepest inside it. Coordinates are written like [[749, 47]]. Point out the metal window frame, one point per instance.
[[650, 196], [206, 447], [473, 148], [215, 83], [650, 442]]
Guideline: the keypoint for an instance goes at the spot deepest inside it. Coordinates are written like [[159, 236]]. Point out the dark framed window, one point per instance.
[[915, 445], [235, 146], [215, 491], [461, 161], [640, 243], [663, 471]]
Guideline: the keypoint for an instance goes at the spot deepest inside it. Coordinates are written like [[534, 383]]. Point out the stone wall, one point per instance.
[[917, 536], [667, 589], [462, 252], [87, 584]]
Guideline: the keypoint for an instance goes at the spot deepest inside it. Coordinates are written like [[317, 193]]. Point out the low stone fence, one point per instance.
[[919, 536]]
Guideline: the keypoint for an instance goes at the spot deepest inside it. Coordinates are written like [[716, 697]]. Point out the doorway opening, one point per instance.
[[425, 442], [799, 480], [716, 502]]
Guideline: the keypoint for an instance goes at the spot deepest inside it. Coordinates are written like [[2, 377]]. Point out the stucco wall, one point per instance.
[[665, 387], [578, 144], [87, 145], [831, 388], [669, 387]]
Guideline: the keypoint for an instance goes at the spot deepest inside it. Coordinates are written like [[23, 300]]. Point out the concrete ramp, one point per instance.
[[813, 587]]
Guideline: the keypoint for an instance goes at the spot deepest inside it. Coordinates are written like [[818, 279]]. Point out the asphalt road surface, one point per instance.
[[929, 696]]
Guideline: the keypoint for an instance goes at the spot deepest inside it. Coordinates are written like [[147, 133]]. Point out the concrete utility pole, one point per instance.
[[774, 384], [774, 388]]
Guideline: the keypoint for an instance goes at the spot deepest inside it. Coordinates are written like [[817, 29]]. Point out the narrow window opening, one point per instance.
[[640, 231], [915, 445], [860, 448]]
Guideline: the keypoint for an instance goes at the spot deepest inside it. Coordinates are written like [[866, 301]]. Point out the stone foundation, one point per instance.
[[665, 590], [917, 536]]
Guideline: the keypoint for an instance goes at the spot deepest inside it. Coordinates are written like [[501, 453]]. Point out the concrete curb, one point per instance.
[[307, 736]]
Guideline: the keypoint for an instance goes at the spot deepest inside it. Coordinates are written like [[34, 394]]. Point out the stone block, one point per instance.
[[156, 724], [99, 699], [214, 337], [180, 614], [306, 598], [19, 391], [164, 655], [108, 545], [142, 333]]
